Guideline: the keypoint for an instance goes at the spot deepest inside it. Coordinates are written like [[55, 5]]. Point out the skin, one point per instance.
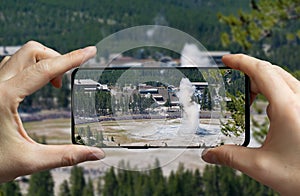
[[277, 162], [32, 67]]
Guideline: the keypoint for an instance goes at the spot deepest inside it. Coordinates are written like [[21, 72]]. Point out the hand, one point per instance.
[[277, 162], [32, 67]]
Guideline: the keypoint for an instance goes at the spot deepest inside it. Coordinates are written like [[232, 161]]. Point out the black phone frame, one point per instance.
[[247, 109]]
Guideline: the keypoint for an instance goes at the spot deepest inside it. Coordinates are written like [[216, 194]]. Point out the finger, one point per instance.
[[53, 156], [57, 81], [67, 155], [4, 60], [36, 76], [35, 51], [255, 163], [293, 83], [236, 157], [264, 79], [27, 55]]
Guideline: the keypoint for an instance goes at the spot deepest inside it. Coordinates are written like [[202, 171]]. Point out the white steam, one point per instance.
[[192, 56], [190, 121]]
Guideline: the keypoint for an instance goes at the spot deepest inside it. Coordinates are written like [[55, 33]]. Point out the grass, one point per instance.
[[57, 130]]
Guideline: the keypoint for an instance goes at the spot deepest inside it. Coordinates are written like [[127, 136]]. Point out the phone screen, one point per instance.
[[159, 107]]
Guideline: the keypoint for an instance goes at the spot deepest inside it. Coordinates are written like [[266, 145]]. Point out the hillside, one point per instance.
[[65, 25]]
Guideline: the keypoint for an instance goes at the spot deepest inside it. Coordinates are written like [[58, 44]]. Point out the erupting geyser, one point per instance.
[[190, 120]]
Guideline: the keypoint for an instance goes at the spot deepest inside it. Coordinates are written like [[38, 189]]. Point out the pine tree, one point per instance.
[[157, 179], [64, 189], [77, 181], [41, 184], [10, 189], [63, 93], [111, 183], [197, 183], [89, 189], [211, 180]]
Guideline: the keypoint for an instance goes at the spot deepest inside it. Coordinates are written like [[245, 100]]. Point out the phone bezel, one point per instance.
[[247, 107]]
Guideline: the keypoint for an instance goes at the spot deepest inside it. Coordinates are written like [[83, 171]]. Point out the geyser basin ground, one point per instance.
[[160, 132]]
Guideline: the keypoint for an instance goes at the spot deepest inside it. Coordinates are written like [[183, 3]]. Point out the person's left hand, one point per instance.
[[32, 67]]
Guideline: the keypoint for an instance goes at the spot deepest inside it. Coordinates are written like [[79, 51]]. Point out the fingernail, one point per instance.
[[209, 156], [96, 155], [90, 50], [204, 152]]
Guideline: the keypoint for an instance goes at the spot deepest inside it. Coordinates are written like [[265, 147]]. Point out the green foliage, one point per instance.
[[79, 23], [77, 181], [41, 184], [236, 125], [235, 106], [48, 97], [64, 189], [10, 189], [111, 183], [264, 17], [215, 180], [103, 103], [260, 127], [269, 30], [89, 189]]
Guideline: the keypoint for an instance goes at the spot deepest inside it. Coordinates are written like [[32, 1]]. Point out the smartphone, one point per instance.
[[160, 107]]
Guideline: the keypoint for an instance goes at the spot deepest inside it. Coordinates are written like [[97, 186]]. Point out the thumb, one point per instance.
[[52, 156], [237, 157]]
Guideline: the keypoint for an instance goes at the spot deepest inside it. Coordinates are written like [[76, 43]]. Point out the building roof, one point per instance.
[[89, 82], [8, 50]]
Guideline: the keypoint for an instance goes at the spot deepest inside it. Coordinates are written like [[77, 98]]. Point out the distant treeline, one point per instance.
[[66, 25], [214, 180]]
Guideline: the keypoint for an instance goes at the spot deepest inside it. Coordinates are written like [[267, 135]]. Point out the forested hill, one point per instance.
[[65, 25]]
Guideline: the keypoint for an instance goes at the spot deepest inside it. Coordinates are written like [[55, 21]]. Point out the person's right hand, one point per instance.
[[277, 162]]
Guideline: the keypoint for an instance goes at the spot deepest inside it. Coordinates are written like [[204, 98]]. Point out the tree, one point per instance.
[[197, 183], [103, 104], [271, 29], [89, 135], [235, 126], [89, 189], [10, 189], [77, 181], [64, 189], [100, 138], [63, 93], [265, 17], [111, 183], [157, 179], [41, 184]]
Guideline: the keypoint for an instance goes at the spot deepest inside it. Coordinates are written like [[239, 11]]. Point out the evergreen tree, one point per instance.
[[197, 183], [211, 180], [63, 93], [157, 179], [89, 135], [111, 183], [77, 181], [41, 184], [173, 184], [10, 189], [64, 189], [89, 189]]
